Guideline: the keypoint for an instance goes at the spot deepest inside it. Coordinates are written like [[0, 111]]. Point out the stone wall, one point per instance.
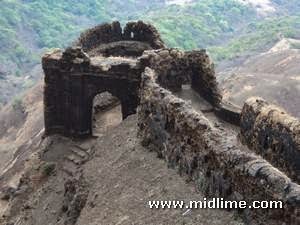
[[108, 33], [203, 76], [72, 80], [273, 134], [74, 76], [171, 64], [210, 157], [177, 68], [228, 112]]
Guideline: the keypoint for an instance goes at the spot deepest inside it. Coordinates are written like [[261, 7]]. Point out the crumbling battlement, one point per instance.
[[93, 65], [105, 58], [176, 68], [72, 80], [211, 158], [108, 33], [273, 134]]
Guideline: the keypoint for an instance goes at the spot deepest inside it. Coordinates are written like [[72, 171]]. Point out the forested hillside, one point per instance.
[[227, 28], [28, 26]]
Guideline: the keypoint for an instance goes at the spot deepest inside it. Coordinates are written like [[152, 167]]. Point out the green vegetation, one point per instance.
[[48, 169], [201, 24], [257, 36], [226, 27], [28, 26], [17, 104]]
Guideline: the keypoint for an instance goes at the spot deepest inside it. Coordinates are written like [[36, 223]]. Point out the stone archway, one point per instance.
[[105, 58], [73, 80], [126, 91]]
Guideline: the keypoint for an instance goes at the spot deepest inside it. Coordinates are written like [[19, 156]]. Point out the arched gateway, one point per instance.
[[103, 59]]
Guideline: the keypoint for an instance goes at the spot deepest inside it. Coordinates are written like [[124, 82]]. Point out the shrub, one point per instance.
[[48, 169]]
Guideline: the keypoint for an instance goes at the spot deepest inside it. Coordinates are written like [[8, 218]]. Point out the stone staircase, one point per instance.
[[79, 155]]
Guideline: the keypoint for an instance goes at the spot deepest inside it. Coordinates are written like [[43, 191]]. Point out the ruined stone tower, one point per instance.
[[107, 58], [103, 59]]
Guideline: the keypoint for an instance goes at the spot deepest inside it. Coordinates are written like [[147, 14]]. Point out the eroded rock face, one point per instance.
[[104, 101], [75, 197], [273, 134]]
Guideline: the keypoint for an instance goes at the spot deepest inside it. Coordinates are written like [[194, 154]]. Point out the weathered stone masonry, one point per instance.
[[94, 65], [210, 157], [73, 78], [177, 68], [273, 134], [110, 39], [134, 65], [72, 83]]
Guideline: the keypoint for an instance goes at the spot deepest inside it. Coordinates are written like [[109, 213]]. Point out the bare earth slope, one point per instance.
[[273, 75], [21, 128]]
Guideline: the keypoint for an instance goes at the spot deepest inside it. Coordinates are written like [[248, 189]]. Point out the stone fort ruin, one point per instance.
[[247, 154]]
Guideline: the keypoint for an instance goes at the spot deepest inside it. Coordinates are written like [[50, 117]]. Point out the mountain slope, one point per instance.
[[273, 75]]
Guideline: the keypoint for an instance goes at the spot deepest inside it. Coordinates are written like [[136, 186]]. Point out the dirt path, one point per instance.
[[123, 177], [107, 120], [201, 105]]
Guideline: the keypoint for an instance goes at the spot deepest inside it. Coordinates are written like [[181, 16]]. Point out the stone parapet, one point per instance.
[[273, 134], [214, 160]]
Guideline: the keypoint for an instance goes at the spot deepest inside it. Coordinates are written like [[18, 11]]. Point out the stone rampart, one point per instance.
[[273, 134], [210, 157], [104, 59], [177, 68], [109, 33], [72, 80]]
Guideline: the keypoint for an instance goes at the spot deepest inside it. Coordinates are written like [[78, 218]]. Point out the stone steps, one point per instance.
[[73, 158], [69, 168], [84, 155], [78, 156]]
